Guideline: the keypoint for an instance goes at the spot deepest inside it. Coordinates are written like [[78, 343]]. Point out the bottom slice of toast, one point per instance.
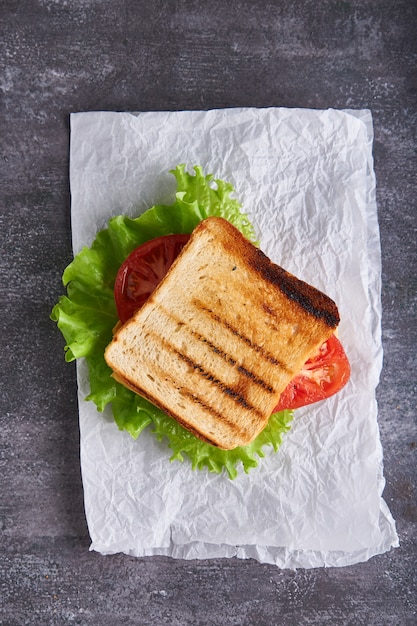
[[221, 336]]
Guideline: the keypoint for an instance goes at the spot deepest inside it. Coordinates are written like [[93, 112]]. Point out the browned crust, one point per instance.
[[311, 300]]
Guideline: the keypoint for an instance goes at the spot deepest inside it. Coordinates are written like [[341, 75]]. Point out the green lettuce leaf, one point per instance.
[[86, 316]]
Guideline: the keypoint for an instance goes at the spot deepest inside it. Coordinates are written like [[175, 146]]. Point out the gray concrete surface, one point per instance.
[[58, 57]]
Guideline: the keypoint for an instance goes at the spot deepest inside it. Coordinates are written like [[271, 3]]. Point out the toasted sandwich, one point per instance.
[[221, 336]]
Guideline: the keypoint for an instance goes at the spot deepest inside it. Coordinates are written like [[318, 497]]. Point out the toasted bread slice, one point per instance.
[[221, 336]]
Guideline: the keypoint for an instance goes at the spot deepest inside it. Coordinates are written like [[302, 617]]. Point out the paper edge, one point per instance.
[[375, 298]]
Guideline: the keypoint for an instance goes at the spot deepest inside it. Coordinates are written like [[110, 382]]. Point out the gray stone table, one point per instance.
[[61, 56]]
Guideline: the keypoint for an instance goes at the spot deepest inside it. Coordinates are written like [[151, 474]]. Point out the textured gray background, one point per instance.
[[81, 55]]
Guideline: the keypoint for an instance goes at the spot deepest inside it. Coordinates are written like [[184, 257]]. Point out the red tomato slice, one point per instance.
[[321, 377], [143, 270]]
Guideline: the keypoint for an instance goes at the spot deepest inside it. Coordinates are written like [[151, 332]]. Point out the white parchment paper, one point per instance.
[[305, 177]]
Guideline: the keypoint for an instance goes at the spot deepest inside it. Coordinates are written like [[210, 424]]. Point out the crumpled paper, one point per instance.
[[305, 177]]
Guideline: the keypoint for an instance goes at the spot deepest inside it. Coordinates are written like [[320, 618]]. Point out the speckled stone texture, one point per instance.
[[58, 57]]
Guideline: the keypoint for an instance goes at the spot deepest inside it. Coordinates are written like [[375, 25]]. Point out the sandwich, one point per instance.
[[221, 336], [257, 329]]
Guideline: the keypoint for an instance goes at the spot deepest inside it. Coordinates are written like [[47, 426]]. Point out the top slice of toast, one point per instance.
[[221, 336]]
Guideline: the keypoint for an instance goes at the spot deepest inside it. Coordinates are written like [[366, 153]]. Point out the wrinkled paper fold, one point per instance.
[[306, 179]]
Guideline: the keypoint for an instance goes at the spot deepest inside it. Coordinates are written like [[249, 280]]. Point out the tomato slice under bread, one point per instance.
[[322, 376], [143, 270]]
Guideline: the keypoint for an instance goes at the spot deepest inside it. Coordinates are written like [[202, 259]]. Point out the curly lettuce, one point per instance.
[[86, 316]]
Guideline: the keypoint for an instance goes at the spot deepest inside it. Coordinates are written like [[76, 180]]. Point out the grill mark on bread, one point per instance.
[[207, 407], [191, 396], [242, 370], [228, 391], [231, 392], [255, 379], [254, 346], [220, 352]]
